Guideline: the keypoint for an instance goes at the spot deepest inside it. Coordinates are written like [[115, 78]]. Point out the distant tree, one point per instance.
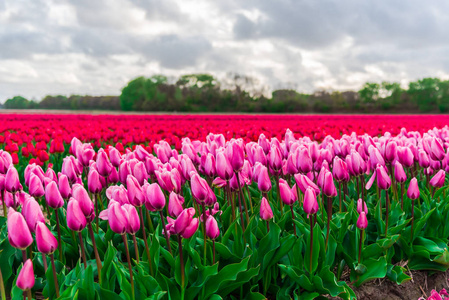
[[369, 92], [425, 93], [18, 102]]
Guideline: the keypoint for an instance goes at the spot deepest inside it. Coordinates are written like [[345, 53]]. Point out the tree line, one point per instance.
[[204, 93]]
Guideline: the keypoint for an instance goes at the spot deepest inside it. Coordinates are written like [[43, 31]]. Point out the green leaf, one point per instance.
[[397, 274], [225, 276], [374, 269], [86, 290]]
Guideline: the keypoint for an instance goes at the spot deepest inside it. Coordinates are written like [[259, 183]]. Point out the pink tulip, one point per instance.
[[413, 189], [53, 196], [155, 198], [175, 203], [310, 204], [25, 280], [45, 240], [328, 185], [12, 183], [405, 156], [200, 188], [212, 230], [64, 186], [208, 164], [275, 158], [35, 187], [362, 221], [118, 219], [104, 166], [140, 173], [85, 202], [133, 219], [361, 206], [93, 182], [399, 173], [69, 169], [391, 150], [114, 156], [185, 225], [304, 182], [76, 219], [383, 180], [234, 152], [438, 179], [265, 210], [340, 170], [436, 150], [19, 234], [223, 166], [135, 193], [304, 161], [32, 213], [263, 180], [286, 193]]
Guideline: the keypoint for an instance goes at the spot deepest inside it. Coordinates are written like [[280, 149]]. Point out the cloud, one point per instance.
[[82, 46]]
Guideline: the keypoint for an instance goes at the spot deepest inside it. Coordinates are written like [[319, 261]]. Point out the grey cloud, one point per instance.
[[173, 51]]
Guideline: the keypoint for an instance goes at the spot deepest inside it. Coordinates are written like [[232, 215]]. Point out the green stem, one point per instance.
[[360, 244], [311, 242], [413, 218], [387, 207], [293, 218], [136, 249], [147, 249], [182, 267], [58, 228], [128, 258], [2, 286], [165, 232], [83, 253], [329, 218], [55, 278], [97, 257]]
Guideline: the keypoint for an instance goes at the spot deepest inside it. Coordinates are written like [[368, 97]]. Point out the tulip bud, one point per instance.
[[135, 192], [35, 187], [117, 217], [304, 161], [175, 203], [405, 156], [76, 220], [328, 185], [104, 166], [19, 234], [265, 210], [208, 163], [236, 155], [438, 179], [25, 280], [93, 182], [436, 150], [361, 206], [155, 198], [114, 156], [286, 193], [391, 150], [133, 219], [362, 221], [53, 196], [32, 213], [340, 170], [45, 240], [200, 188], [12, 183], [212, 230], [223, 166], [423, 159], [275, 158], [140, 173], [84, 201], [413, 189], [263, 180], [399, 173], [310, 204], [64, 186]]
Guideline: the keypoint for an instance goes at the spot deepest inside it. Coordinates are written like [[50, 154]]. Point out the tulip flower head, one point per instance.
[[25, 280], [19, 234], [45, 240], [413, 189], [362, 221], [310, 204], [265, 210], [438, 179], [212, 230]]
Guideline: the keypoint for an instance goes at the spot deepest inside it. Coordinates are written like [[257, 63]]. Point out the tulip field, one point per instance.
[[220, 206]]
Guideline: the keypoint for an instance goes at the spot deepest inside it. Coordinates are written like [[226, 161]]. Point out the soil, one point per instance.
[[421, 285]]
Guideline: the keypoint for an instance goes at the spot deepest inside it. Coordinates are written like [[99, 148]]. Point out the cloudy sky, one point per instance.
[[96, 46]]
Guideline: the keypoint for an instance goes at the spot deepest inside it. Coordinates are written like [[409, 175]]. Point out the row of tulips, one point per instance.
[[225, 218]]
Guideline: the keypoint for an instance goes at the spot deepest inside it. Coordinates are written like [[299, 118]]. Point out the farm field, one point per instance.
[[221, 206]]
